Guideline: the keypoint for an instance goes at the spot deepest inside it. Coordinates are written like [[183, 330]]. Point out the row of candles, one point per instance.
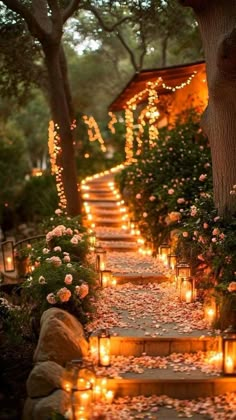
[[85, 388]]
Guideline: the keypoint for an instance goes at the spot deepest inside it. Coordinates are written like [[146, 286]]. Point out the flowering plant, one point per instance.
[[62, 274]]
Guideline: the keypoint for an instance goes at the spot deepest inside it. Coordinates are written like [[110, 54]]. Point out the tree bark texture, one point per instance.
[[217, 23], [61, 116]]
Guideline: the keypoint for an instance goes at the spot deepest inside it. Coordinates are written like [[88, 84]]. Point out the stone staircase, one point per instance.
[[159, 345]]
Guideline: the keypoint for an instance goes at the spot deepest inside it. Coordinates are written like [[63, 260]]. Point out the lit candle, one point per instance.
[[229, 365], [109, 396], [210, 315], [188, 296], [105, 360], [8, 263]]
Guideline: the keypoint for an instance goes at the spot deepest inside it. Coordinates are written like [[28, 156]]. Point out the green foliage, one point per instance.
[[63, 275], [15, 321], [165, 180], [38, 199]]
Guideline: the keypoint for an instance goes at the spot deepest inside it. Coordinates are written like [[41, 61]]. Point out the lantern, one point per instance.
[[104, 344], [92, 241], [187, 290], [100, 389], [229, 351], [183, 271], [106, 278], [172, 261], [164, 251], [82, 400], [8, 256], [210, 313], [100, 262]]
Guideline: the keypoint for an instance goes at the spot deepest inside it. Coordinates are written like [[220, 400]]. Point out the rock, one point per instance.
[[29, 408], [61, 338], [43, 379], [58, 402], [43, 408]]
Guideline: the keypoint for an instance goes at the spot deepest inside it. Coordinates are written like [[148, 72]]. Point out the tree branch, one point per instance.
[[101, 21], [57, 22], [226, 59], [131, 54], [24, 12], [70, 9]]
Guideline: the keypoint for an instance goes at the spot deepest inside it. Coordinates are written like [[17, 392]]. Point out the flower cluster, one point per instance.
[[62, 274]]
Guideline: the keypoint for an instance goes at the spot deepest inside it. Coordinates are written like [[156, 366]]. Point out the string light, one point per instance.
[[129, 122], [55, 158], [93, 131], [149, 113], [112, 121]]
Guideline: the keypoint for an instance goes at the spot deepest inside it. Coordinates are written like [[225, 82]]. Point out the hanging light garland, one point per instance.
[[150, 113], [129, 122], [94, 132], [55, 157], [112, 121]]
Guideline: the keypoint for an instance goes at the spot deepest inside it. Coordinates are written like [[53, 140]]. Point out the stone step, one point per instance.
[[190, 388], [161, 346], [128, 247], [107, 222], [137, 278], [107, 238]]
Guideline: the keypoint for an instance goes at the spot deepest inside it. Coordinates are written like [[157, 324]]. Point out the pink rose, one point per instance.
[[138, 196], [57, 249], [181, 200], [83, 291], [58, 212], [152, 198], [74, 240], [171, 191], [215, 231], [55, 261], [205, 225], [68, 279], [51, 298], [64, 294], [66, 258], [185, 234], [145, 215], [232, 286], [202, 177], [45, 251], [69, 231]]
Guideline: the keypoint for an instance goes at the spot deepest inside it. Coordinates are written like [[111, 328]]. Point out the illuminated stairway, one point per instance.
[[138, 337]]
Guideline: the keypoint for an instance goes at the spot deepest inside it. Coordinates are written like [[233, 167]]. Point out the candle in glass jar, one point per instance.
[[105, 360], [109, 396], [188, 296], [229, 365]]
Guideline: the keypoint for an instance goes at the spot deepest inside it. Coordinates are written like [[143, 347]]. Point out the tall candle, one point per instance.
[[188, 296], [229, 365]]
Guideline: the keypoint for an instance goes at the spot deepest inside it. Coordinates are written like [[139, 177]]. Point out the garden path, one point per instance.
[[165, 356]]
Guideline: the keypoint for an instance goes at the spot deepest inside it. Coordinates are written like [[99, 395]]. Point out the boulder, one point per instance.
[[58, 402], [43, 379], [61, 338], [29, 408]]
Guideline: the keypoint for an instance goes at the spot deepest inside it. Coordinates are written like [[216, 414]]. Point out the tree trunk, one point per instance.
[[217, 26], [61, 116], [164, 44]]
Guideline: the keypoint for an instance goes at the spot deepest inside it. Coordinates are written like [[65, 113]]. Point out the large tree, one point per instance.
[[45, 20], [218, 30]]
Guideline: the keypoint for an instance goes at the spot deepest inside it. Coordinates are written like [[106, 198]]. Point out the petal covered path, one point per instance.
[[165, 361]]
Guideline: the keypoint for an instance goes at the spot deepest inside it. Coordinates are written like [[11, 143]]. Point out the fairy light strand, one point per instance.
[[150, 113], [94, 132], [55, 152], [112, 121]]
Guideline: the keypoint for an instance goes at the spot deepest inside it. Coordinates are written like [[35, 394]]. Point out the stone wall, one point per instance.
[[61, 339]]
